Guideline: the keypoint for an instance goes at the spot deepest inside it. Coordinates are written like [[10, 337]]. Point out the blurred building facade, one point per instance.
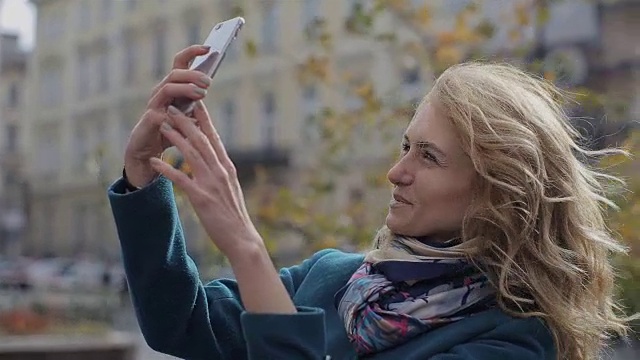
[[13, 190], [595, 42], [93, 68], [96, 61]]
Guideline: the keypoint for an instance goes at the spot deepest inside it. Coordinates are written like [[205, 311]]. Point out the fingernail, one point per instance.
[[205, 81], [174, 110], [200, 91], [166, 126]]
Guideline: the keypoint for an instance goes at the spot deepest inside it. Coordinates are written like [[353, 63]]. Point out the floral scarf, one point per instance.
[[405, 288]]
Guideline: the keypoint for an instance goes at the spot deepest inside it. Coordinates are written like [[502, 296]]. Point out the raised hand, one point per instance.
[[146, 141], [213, 188]]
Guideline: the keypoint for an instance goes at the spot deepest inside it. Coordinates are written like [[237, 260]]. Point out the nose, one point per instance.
[[400, 174]]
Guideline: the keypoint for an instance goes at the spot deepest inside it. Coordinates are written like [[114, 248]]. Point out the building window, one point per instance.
[[81, 148], [51, 89], [193, 32], [310, 107], [450, 7], [268, 119], [83, 80], [410, 70], [228, 121], [125, 129], [98, 147], [52, 25], [48, 219], [310, 10], [12, 138], [130, 61], [131, 4], [103, 71], [84, 15], [106, 11], [270, 22], [353, 101], [412, 84], [80, 232], [48, 160], [10, 179], [354, 6], [13, 96], [160, 51]]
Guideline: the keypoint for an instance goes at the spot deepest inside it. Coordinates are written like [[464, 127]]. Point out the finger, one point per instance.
[[184, 76], [191, 155], [154, 118], [183, 59], [171, 91], [179, 178], [185, 125], [206, 124]]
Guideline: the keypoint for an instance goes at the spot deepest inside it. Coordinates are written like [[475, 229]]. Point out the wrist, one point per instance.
[[248, 250], [139, 174]]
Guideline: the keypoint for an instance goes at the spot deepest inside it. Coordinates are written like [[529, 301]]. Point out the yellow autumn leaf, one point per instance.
[[446, 38], [364, 90], [391, 4], [326, 40], [485, 29], [250, 48], [461, 25], [514, 35], [313, 69], [447, 55], [329, 242], [522, 15], [268, 212], [542, 16], [423, 15], [300, 217], [550, 75]]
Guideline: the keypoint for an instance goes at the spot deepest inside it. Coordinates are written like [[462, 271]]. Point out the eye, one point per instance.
[[405, 147], [429, 156]]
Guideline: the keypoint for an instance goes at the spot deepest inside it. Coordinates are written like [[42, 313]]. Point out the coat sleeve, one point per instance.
[[519, 339], [181, 316]]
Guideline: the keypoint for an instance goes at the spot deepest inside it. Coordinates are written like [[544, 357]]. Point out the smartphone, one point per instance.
[[219, 39]]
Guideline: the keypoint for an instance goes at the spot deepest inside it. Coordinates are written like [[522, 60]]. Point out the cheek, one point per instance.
[[444, 199]]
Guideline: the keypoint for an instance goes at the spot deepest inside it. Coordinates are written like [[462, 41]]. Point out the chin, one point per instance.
[[394, 225]]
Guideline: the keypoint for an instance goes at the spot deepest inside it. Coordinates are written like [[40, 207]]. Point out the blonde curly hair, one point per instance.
[[537, 219]]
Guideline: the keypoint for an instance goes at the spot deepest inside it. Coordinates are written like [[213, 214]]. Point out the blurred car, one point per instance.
[[83, 274], [13, 274], [45, 273]]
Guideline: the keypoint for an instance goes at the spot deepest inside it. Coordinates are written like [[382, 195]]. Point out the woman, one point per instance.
[[494, 246]]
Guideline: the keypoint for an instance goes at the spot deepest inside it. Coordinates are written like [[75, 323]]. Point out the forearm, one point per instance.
[[261, 288]]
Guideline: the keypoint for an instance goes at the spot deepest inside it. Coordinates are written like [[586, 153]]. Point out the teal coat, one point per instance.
[[181, 316]]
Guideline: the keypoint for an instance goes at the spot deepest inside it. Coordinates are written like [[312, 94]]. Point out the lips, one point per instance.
[[401, 199]]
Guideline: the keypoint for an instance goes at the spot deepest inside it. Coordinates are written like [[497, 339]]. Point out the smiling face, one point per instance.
[[433, 179]]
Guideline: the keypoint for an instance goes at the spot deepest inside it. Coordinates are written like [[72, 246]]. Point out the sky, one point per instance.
[[18, 16]]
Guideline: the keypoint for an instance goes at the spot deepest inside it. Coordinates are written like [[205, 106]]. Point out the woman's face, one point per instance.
[[432, 179]]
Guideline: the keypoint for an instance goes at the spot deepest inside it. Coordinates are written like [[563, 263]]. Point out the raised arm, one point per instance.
[[181, 316]]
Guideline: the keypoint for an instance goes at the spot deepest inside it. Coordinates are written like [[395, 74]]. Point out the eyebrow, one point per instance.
[[428, 145]]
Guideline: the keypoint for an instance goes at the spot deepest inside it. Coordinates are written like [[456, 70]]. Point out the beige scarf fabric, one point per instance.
[[412, 249]]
